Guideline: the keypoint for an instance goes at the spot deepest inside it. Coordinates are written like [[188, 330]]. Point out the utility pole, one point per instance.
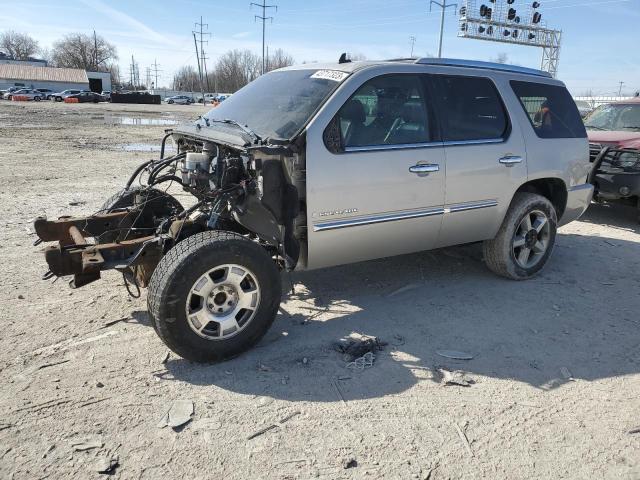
[[195, 42], [444, 5], [155, 72], [148, 83], [264, 19], [412, 42], [203, 57], [620, 89], [95, 50]]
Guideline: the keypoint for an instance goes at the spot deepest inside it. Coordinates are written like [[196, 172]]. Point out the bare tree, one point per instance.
[[235, 69], [279, 59], [19, 46], [78, 50], [186, 79]]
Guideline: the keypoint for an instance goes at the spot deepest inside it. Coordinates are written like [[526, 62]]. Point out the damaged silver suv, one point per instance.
[[320, 165]]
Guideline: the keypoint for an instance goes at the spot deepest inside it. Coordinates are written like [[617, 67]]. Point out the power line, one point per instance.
[[444, 5], [203, 58], [264, 19], [412, 42], [155, 66]]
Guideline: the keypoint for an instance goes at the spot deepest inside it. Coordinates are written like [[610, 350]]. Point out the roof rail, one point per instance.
[[454, 62]]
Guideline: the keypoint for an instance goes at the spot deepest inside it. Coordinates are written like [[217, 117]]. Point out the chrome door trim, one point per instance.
[[484, 141], [392, 217], [510, 160], [400, 146], [463, 207], [373, 219]]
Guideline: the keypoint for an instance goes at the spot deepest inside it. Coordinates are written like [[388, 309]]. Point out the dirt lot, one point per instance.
[[556, 367]]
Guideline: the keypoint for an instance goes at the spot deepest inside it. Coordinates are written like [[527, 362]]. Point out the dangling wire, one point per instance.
[[135, 284]]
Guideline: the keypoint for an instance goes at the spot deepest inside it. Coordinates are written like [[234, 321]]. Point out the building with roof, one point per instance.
[[34, 62], [29, 76]]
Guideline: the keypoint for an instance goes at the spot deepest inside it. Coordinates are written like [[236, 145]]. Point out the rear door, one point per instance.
[[486, 157], [375, 173]]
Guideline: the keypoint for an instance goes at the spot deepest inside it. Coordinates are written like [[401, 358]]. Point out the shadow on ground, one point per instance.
[[581, 313]]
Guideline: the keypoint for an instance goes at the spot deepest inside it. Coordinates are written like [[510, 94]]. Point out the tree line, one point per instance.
[[232, 71]]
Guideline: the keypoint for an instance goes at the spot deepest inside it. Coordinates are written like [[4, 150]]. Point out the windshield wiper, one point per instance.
[[244, 128], [594, 127], [631, 127]]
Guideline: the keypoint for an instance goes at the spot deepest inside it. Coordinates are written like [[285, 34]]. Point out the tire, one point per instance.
[[37, 99], [170, 102], [505, 254], [185, 266], [58, 99], [159, 204]]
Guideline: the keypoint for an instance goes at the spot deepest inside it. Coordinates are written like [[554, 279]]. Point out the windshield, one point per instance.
[[278, 104], [614, 117]]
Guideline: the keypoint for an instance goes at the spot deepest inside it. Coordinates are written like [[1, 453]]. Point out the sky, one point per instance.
[[600, 39]]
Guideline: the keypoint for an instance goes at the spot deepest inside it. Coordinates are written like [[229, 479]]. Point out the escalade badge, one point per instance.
[[332, 213]]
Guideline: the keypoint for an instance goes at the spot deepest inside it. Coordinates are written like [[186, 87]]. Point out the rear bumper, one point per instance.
[[578, 200]]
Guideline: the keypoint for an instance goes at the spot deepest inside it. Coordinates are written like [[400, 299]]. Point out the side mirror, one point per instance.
[[332, 136]]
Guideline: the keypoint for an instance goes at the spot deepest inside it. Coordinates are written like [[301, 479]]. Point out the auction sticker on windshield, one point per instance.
[[334, 75]]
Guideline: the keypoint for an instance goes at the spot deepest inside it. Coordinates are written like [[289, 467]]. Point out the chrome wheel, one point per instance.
[[222, 302], [531, 240]]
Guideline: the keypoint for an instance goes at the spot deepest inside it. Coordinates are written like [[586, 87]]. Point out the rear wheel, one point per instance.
[[214, 295], [525, 240], [37, 99], [170, 102]]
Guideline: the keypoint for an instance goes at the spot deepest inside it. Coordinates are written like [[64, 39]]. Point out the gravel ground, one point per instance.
[[554, 383]]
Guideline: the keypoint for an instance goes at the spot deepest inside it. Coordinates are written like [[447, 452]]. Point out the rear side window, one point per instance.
[[551, 110], [470, 109]]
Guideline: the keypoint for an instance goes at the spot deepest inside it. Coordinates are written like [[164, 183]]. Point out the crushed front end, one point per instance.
[[234, 181]]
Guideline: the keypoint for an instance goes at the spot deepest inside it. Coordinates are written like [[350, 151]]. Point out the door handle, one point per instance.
[[425, 169], [510, 160]]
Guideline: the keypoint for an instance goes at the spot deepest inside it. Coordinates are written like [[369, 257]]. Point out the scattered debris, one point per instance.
[[290, 416], [77, 203], [107, 463], [363, 362], [178, 415], [464, 439], [305, 360], [261, 431], [566, 374], [349, 462], [48, 450], [50, 364], [88, 443], [113, 322], [556, 308], [634, 430], [166, 357], [285, 380], [20, 297], [398, 340], [406, 288], [4, 426], [455, 355], [263, 368], [99, 385], [337, 389], [354, 347], [457, 378], [43, 405]]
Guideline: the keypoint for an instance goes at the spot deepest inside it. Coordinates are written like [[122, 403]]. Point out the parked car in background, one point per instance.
[[614, 145], [209, 97], [9, 91], [180, 100], [584, 107], [106, 94], [46, 92], [87, 96], [60, 96], [28, 93]]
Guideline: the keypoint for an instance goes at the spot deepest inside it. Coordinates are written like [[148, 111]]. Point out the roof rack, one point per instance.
[[454, 62]]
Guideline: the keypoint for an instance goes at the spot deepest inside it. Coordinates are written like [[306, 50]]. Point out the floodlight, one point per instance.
[[537, 16]]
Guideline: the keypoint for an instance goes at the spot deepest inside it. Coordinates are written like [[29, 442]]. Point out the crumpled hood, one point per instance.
[[624, 139]]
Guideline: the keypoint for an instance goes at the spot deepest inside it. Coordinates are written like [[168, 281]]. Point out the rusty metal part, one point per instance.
[[60, 230]]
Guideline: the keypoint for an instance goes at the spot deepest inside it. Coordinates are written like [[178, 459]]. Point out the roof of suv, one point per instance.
[[351, 67]]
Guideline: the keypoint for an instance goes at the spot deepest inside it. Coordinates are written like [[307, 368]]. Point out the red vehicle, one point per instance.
[[614, 143]]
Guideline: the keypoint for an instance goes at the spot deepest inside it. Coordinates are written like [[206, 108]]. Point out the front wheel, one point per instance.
[[170, 102], [37, 99], [525, 240], [214, 295]]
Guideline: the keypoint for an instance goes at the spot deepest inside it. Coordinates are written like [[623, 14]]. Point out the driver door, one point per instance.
[[375, 175]]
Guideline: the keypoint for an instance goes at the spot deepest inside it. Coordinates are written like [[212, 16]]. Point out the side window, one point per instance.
[[388, 110], [551, 110], [471, 109]]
